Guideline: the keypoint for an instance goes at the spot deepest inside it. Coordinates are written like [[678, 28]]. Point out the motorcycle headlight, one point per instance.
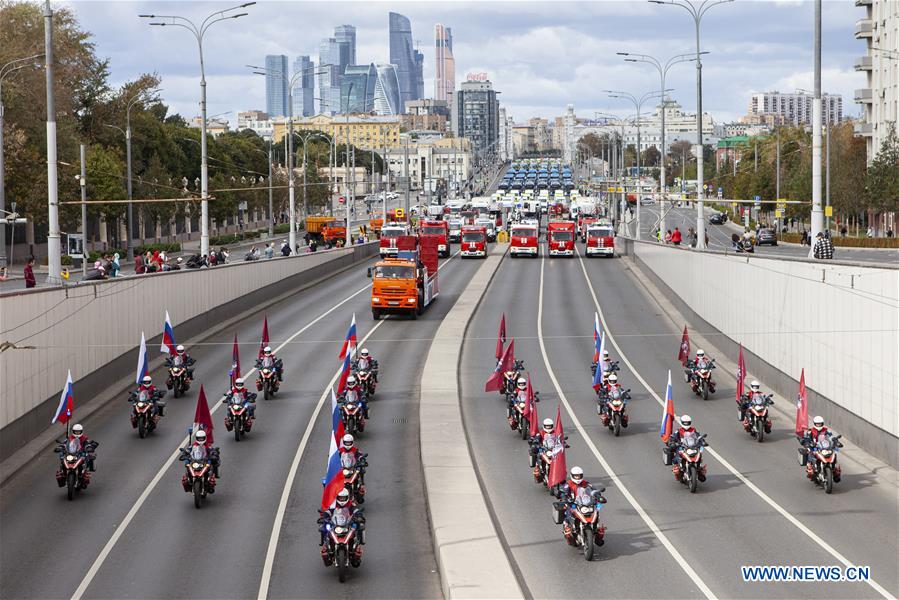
[[236, 406], [195, 465], [586, 510], [347, 472], [70, 458], [266, 371], [616, 402], [350, 406], [826, 452], [340, 530], [691, 452], [140, 404]]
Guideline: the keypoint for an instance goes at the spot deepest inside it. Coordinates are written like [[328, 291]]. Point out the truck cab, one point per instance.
[[474, 241], [600, 240], [389, 235], [524, 240], [440, 231], [407, 282], [583, 223], [560, 238]]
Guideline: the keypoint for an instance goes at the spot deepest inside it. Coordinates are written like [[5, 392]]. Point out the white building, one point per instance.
[[505, 136], [263, 129], [795, 109], [448, 159], [214, 126], [880, 99]]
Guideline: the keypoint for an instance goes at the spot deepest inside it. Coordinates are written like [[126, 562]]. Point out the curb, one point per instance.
[[470, 557]]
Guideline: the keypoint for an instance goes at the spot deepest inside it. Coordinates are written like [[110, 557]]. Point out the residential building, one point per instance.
[[426, 114], [796, 109], [364, 131], [409, 62], [444, 65], [542, 134], [730, 150], [304, 90], [433, 163], [246, 116], [879, 28], [214, 126], [476, 115], [276, 78], [523, 140]]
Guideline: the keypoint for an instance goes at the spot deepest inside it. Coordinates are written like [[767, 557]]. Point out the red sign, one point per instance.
[[341, 200], [476, 77]]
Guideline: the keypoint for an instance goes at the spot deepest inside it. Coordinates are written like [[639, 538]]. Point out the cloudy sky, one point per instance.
[[540, 55]]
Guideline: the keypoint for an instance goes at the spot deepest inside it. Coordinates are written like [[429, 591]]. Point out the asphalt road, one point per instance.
[[167, 548], [719, 237], [661, 541]]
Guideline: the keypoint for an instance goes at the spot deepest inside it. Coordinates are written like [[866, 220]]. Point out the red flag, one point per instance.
[[558, 470], [801, 408], [234, 373], [531, 412], [494, 384], [683, 355], [741, 375], [501, 338], [202, 416], [264, 342]]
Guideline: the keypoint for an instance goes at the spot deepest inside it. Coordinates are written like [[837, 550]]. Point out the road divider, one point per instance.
[[471, 557]]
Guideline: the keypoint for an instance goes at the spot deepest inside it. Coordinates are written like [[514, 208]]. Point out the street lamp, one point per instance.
[[199, 32], [663, 73], [697, 9], [638, 104], [10, 67], [271, 214]]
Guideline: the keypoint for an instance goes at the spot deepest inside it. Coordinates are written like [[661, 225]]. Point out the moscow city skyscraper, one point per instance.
[[444, 64], [409, 62]]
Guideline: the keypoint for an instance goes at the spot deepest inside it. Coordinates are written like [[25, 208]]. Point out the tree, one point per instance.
[[883, 174]]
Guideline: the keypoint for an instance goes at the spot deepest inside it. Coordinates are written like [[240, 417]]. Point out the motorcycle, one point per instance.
[[582, 528], [146, 410], [354, 475], [542, 455], [238, 418], [344, 541], [608, 369], [198, 478], [510, 379], [700, 379], [368, 381], [179, 378], [351, 412], [756, 421], [72, 472], [688, 468], [823, 469], [611, 406], [267, 382], [518, 418]]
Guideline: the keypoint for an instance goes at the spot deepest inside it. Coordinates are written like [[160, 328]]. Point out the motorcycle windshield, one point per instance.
[[824, 443], [615, 394], [691, 441], [584, 497], [73, 446], [198, 453], [177, 361], [347, 460], [352, 396], [143, 396], [268, 362], [341, 517], [758, 401]]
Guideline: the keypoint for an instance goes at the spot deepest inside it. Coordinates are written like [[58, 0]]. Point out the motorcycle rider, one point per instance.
[[810, 440], [348, 446], [186, 360], [146, 385], [366, 362], [677, 437], [79, 436], [568, 491], [343, 501], [755, 389], [277, 362], [207, 450], [354, 390], [248, 399]]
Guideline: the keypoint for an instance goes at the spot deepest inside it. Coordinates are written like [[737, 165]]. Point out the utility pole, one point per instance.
[[827, 168], [82, 182], [777, 168], [271, 214], [54, 248], [406, 173], [817, 213]]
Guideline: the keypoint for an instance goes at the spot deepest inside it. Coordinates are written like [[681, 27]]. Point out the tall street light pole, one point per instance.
[[663, 73], [7, 69], [817, 212], [199, 32], [54, 247], [697, 9]]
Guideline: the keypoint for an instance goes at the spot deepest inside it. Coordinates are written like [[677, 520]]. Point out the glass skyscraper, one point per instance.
[[408, 61], [304, 89], [276, 77], [444, 64], [339, 52]]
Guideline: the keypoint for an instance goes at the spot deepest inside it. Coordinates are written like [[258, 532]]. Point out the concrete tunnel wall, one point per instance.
[[94, 329]]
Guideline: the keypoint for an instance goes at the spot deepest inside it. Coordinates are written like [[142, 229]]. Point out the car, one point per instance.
[[718, 218], [766, 237], [647, 201]]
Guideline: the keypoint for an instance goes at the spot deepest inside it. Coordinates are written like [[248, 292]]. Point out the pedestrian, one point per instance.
[[804, 240], [270, 250], [823, 247], [691, 237], [870, 233], [668, 237], [889, 232], [285, 248], [676, 237], [843, 230], [139, 267], [30, 281], [114, 266]]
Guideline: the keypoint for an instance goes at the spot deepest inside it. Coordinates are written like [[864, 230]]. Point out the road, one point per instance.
[[662, 541], [719, 237], [166, 548]]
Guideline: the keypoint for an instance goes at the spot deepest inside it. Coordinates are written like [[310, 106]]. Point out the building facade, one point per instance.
[[304, 90], [506, 150], [276, 78], [214, 126], [476, 115], [346, 34], [246, 116], [879, 29], [426, 114], [444, 64], [430, 161], [364, 131], [408, 61], [796, 109], [370, 88]]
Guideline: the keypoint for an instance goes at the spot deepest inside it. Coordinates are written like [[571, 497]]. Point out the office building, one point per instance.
[[796, 109], [880, 98], [426, 114], [476, 115], [338, 52], [408, 61], [276, 78], [246, 116], [214, 126], [370, 88], [346, 34], [304, 88], [444, 64]]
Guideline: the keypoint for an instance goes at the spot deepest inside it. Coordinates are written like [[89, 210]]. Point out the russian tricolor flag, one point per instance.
[[597, 376], [349, 344], [333, 481], [66, 402], [596, 335], [143, 366], [668, 415], [336, 420], [344, 373], [168, 344]]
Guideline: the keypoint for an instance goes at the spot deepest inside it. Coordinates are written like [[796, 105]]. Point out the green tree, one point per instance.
[[883, 174]]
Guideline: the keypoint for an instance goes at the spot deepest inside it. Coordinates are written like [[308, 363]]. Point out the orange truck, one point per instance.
[[326, 229], [474, 241], [405, 283], [560, 238], [439, 230]]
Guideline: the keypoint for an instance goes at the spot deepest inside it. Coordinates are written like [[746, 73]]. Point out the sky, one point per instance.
[[540, 55]]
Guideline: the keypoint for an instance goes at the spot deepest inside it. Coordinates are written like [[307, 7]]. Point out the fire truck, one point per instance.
[[600, 239], [474, 241], [440, 231], [407, 282], [560, 238]]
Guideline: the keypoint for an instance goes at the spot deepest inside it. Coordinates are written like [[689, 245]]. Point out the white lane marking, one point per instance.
[[275, 536], [98, 562], [681, 561], [787, 515]]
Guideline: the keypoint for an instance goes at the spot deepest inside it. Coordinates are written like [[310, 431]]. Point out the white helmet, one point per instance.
[[267, 350], [686, 420], [363, 353], [522, 383], [613, 378], [238, 383], [201, 436], [700, 353], [343, 497], [577, 474], [351, 380], [179, 348], [605, 354], [755, 385], [818, 421], [548, 424], [77, 429], [146, 380], [348, 441]]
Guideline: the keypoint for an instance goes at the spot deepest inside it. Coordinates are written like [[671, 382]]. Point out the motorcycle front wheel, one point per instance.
[[705, 390], [70, 485], [142, 426], [267, 390], [177, 388], [759, 430], [341, 561], [693, 480], [588, 545], [198, 493], [617, 424], [238, 429], [828, 480]]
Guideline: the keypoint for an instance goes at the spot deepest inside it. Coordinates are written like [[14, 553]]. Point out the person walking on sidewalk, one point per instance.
[[823, 247], [30, 281]]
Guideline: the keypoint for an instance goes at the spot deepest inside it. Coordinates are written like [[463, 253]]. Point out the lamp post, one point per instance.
[[618, 157], [10, 67], [271, 213], [199, 32], [663, 73], [54, 247], [697, 10]]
